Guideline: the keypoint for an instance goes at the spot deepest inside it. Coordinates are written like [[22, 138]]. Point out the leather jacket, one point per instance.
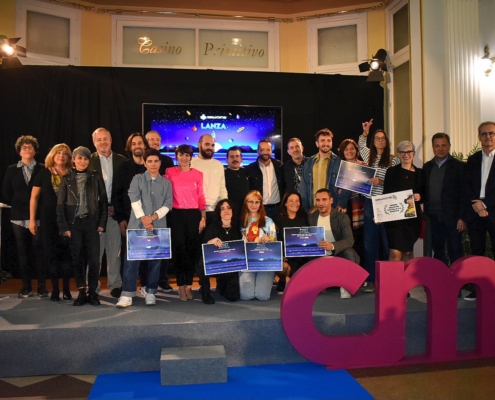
[[68, 200]]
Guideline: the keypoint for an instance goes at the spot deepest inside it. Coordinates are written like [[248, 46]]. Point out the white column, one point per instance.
[[462, 57]]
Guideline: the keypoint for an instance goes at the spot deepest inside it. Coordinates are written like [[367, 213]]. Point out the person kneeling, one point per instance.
[[338, 232], [151, 200]]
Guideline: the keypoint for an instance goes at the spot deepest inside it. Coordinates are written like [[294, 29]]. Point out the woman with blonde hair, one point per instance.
[[256, 227], [46, 184]]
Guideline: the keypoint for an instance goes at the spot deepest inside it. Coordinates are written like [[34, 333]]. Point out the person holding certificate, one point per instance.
[[223, 229], [403, 234], [256, 227], [292, 215], [151, 200], [377, 156]]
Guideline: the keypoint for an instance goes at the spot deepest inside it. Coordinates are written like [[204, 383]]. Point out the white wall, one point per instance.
[[487, 36]]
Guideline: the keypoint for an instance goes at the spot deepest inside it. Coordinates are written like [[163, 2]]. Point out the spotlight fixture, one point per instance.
[[375, 66], [9, 52], [487, 61]]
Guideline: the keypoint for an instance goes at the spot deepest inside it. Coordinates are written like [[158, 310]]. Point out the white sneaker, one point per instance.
[[344, 294], [124, 301], [150, 299], [142, 291]]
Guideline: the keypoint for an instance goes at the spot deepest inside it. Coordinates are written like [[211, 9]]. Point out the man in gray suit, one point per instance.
[[105, 161], [338, 232]]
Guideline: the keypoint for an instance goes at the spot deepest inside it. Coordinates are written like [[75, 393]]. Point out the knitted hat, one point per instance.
[[81, 151]]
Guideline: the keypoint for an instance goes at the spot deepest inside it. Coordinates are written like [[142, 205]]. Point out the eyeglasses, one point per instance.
[[408, 152], [380, 138], [27, 147], [254, 202], [486, 134]]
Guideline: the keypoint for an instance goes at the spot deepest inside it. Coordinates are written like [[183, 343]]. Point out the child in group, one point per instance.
[[81, 215]]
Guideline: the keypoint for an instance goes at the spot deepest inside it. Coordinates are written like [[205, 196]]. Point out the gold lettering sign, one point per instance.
[[146, 47], [223, 51]]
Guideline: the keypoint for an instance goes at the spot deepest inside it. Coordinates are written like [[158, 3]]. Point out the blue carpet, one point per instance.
[[277, 381]]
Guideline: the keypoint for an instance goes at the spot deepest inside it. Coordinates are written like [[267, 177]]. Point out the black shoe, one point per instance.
[[116, 292], [369, 288], [207, 299], [281, 285], [25, 293], [471, 296], [55, 296], [93, 298], [81, 298], [165, 286], [67, 295], [42, 292]]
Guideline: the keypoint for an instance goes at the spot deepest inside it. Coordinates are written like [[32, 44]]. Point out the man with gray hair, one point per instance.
[[106, 162]]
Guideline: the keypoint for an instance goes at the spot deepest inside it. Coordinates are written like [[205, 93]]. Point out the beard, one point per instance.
[[138, 152], [207, 154]]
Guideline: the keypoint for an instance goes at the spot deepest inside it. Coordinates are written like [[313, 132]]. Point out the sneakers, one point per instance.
[[25, 293], [369, 288], [344, 293], [142, 291], [150, 299], [125, 301], [42, 292], [281, 285], [470, 297], [165, 286]]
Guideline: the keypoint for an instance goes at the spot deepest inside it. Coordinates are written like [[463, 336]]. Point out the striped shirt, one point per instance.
[[380, 172]]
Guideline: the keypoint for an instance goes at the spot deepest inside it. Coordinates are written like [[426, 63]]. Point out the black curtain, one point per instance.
[[66, 104]]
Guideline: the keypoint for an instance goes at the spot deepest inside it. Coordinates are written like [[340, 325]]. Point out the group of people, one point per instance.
[[79, 205]]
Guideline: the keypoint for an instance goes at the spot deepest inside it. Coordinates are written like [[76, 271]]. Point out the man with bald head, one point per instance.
[[214, 189], [106, 162]]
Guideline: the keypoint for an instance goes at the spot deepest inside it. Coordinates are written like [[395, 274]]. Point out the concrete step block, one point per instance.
[[193, 365]]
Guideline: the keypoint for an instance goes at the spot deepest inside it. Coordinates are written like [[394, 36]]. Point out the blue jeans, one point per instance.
[[131, 269], [374, 236], [256, 285]]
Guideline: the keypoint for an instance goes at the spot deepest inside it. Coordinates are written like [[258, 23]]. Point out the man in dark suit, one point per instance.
[[443, 199], [107, 162], [338, 232], [266, 176], [479, 188]]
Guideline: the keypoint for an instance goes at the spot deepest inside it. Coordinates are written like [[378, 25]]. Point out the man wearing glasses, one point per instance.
[[479, 186], [442, 199]]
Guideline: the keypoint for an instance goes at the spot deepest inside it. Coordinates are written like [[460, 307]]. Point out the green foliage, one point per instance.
[[460, 155]]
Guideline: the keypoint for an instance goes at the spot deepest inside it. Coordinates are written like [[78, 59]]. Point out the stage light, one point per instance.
[[375, 66], [9, 52]]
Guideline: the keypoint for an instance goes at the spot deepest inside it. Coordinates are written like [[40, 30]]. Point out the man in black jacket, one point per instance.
[[294, 166], [266, 176], [443, 200]]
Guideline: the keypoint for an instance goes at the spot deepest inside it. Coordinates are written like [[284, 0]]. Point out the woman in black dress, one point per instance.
[[291, 215], [403, 234], [58, 163], [225, 228]]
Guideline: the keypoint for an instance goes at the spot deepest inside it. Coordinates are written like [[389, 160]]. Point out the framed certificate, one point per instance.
[[148, 245], [355, 177], [231, 257], [303, 241], [394, 206], [264, 257]]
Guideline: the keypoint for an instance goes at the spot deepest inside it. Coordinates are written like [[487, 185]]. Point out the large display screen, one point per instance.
[[230, 125]]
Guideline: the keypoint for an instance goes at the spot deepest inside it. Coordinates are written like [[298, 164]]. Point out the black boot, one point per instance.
[[81, 299], [42, 292], [55, 290], [93, 298], [67, 294]]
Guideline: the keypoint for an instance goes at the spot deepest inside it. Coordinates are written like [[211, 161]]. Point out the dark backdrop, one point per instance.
[[66, 104]]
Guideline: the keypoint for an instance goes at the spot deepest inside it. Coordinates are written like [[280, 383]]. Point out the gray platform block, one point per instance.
[[193, 365]]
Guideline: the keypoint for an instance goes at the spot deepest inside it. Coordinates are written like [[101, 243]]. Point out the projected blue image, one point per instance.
[[242, 126]]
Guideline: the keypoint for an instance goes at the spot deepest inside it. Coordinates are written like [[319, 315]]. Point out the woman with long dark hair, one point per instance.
[[375, 238], [56, 252], [292, 215], [225, 227], [256, 227]]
